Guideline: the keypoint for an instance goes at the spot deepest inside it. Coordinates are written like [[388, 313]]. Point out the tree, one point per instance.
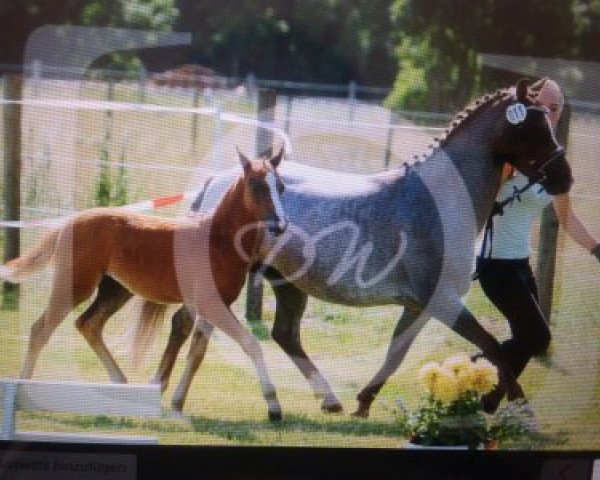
[[19, 18], [309, 40], [440, 42]]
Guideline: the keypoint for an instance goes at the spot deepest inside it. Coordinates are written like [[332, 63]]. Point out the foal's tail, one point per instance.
[[15, 271], [150, 317]]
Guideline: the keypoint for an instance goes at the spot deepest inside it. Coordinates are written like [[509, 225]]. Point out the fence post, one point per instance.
[[389, 142], [546, 264], [267, 100], [351, 100], [195, 105], [13, 89], [288, 113]]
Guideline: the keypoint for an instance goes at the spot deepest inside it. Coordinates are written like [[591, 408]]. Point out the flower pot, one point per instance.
[[414, 446], [489, 445]]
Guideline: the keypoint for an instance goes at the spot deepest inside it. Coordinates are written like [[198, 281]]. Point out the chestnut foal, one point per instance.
[[202, 262]]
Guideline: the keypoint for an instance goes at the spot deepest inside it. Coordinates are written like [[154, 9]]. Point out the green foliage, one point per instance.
[[462, 422], [325, 40], [156, 15], [150, 15], [440, 43], [109, 191]]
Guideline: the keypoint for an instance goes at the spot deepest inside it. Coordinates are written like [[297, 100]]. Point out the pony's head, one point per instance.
[[263, 188], [526, 140]]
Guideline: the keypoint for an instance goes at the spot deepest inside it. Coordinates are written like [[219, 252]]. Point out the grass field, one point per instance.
[[348, 344]]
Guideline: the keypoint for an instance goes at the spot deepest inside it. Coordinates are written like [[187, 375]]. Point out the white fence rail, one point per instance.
[[77, 398]]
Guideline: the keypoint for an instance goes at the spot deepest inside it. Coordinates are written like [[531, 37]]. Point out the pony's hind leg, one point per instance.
[[182, 324], [110, 298], [404, 334], [467, 326], [198, 346], [290, 305]]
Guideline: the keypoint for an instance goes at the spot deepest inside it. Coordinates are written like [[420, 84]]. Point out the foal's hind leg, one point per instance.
[[40, 333], [291, 303], [182, 324], [110, 298], [67, 293], [198, 347]]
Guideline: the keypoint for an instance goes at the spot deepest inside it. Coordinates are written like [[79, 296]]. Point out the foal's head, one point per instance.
[[526, 139], [263, 189]]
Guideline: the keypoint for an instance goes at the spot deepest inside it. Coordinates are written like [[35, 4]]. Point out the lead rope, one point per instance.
[[498, 209]]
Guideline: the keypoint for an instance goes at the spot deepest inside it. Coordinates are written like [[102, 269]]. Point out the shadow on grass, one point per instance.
[[249, 431], [242, 431]]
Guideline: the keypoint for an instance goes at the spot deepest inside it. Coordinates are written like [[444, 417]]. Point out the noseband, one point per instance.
[[540, 173]]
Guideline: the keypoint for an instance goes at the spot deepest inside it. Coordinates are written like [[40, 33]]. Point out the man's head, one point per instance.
[[552, 98]]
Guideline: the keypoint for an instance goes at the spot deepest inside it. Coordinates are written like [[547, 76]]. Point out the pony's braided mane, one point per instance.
[[460, 118]]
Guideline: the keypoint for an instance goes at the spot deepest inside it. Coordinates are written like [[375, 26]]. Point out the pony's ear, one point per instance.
[[537, 86], [522, 90], [244, 161], [276, 160]]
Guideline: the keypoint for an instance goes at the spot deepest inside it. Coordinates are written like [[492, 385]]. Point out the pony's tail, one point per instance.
[[15, 271], [150, 317]]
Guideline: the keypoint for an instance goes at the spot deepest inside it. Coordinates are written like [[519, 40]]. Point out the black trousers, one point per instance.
[[511, 287]]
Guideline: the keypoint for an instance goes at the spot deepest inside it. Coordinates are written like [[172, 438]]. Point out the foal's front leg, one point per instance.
[[110, 298], [222, 317]]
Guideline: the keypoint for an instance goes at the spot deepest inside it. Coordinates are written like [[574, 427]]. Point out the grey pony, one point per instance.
[[406, 236]]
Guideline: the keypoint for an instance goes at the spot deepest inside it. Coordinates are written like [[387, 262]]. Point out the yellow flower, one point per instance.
[[485, 376], [445, 387], [462, 367], [456, 363], [429, 374]]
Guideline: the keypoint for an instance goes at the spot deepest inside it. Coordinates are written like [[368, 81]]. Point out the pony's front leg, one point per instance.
[[410, 324], [467, 326], [201, 335], [291, 303]]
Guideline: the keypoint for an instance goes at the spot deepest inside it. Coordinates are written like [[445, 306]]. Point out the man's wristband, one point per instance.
[[596, 251]]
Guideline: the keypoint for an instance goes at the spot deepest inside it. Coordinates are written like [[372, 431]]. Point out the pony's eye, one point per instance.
[[259, 189]]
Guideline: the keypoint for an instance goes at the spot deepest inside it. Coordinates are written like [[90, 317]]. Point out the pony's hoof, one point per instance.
[[175, 415], [158, 381], [332, 408], [361, 413], [275, 417]]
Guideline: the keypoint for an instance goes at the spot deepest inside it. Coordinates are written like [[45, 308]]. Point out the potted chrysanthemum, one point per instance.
[[452, 414]]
